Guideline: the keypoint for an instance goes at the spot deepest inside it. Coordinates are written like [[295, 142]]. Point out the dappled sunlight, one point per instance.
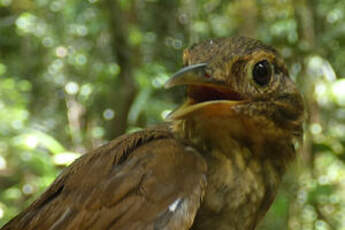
[[338, 91], [65, 158]]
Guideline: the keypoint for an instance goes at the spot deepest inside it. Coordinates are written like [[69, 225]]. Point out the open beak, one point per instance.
[[191, 75], [206, 95]]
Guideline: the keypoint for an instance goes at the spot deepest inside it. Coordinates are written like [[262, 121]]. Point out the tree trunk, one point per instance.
[[123, 98]]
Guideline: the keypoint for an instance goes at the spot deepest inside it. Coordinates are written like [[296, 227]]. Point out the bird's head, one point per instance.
[[240, 86]]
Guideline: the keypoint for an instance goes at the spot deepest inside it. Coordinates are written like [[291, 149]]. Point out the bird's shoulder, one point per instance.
[[143, 180]]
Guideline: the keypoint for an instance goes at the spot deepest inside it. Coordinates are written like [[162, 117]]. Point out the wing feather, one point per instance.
[[146, 180]]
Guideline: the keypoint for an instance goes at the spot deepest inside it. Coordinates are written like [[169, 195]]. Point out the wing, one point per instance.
[[146, 180]]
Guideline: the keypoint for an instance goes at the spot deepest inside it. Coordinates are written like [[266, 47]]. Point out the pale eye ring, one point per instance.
[[262, 73]]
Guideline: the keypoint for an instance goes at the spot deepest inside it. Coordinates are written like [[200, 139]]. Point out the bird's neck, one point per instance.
[[242, 179], [228, 135]]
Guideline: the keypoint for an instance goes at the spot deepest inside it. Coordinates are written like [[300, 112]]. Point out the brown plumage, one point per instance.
[[216, 165]]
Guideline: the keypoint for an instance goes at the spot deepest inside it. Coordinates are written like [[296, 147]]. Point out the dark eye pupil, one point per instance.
[[262, 73]]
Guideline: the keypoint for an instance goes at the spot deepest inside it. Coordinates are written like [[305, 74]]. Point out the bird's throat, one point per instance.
[[242, 178], [210, 132]]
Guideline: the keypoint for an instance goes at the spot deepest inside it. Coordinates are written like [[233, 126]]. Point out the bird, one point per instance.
[[216, 163]]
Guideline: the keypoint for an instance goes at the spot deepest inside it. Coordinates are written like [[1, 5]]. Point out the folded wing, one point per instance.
[[146, 180]]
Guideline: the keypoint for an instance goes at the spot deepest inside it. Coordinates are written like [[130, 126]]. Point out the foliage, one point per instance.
[[74, 74]]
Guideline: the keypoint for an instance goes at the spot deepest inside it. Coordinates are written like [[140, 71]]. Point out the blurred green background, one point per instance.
[[76, 73]]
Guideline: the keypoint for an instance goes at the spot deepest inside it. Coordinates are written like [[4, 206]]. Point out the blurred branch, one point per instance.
[[306, 31], [123, 98], [75, 111], [191, 9], [305, 15], [249, 21]]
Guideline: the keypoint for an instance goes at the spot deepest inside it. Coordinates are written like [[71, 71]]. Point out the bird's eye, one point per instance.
[[262, 72]]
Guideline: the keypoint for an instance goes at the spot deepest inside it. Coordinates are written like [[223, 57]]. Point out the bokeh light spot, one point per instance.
[[338, 91], [86, 90], [61, 51], [72, 88], [65, 158], [97, 132], [48, 41], [3, 163], [315, 128], [27, 189], [26, 22], [56, 6], [108, 114], [165, 113], [81, 59], [31, 141], [114, 69]]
